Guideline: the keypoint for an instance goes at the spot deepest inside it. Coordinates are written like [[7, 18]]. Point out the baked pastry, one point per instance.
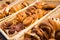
[[49, 6], [55, 23], [18, 6], [39, 5], [21, 16], [17, 28]]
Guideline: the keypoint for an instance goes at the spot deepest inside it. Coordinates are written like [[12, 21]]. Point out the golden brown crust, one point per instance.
[[39, 5], [27, 21], [21, 16], [49, 6]]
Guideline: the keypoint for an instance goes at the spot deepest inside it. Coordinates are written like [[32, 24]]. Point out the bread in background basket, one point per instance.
[[5, 3]]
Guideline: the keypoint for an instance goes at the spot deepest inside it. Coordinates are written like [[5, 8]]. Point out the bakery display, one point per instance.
[[36, 21], [26, 18]]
